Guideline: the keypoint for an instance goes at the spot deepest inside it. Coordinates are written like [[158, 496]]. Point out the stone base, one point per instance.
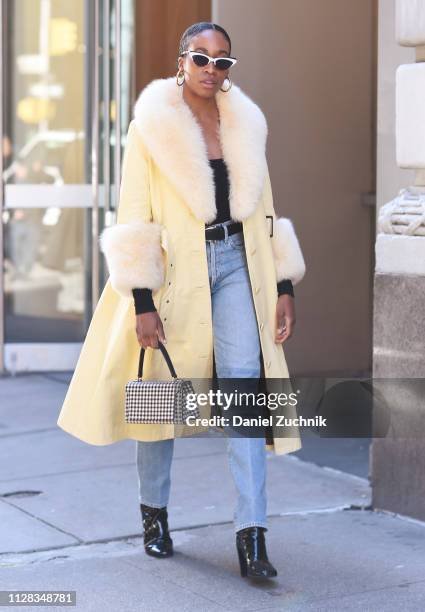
[[398, 461], [398, 255]]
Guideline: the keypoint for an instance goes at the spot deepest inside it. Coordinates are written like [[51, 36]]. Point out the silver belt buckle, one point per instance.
[[224, 225], [207, 230]]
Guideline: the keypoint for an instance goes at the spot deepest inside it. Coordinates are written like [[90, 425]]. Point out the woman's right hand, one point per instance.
[[149, 329]]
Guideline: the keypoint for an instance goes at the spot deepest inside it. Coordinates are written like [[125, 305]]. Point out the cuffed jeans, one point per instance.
[[237, 354]]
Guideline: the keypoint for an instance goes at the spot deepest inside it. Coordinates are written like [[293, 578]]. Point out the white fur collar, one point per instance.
[[175, 141]]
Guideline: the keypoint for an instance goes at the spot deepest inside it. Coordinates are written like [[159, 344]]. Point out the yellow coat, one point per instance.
[[166, 197]]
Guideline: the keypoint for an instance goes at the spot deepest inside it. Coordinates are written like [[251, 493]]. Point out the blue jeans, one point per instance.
[[237, 354]]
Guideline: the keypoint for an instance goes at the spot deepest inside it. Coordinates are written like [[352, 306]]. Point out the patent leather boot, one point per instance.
[[157, 540], [251, 547]]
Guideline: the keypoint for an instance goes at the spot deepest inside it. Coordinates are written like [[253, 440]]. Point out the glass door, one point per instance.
[[67, 90]]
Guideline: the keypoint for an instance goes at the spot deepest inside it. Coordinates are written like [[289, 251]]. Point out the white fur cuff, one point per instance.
[[288, 257], [133, 255]]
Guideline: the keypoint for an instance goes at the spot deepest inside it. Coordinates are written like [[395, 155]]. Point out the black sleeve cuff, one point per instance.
[[143, 301], [285, 286]]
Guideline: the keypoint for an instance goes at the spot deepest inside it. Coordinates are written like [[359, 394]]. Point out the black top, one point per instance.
[[143, 301], [221, 181]]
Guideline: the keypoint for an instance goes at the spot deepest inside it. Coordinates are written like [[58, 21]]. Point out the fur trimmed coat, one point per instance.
[[167, 195]]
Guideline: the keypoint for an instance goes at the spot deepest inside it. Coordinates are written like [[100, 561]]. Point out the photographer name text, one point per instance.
[[277, 420]]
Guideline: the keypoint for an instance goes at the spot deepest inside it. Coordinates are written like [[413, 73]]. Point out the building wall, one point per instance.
[[312, 68], [390, 178], [160, 24], [398, 459]]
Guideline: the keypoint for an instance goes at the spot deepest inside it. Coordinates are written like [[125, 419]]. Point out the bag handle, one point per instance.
[[166, 357]]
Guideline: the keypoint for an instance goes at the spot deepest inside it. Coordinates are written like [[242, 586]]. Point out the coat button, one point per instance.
[[257, 289], [268, 364], [261, 326]]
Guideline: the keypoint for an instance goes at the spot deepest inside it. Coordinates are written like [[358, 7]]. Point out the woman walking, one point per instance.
[[197, 260]]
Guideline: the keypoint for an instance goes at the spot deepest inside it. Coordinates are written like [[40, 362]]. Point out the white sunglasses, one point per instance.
[[201, 60]]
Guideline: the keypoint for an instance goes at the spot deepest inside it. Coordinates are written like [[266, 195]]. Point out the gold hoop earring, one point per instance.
[[177, 78], [230, 85]]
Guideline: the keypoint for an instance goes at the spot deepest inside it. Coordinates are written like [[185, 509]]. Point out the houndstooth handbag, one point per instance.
[[158, 401]]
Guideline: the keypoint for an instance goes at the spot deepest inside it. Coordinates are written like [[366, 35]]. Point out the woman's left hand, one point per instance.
[[285, 318]]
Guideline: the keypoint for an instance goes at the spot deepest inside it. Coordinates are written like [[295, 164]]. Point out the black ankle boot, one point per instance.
[[157, 540], [251, 547]]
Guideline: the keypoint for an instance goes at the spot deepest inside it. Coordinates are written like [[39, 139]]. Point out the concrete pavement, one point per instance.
[[69, 519]]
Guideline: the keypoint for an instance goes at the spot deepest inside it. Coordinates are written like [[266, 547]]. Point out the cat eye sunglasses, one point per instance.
[[201, 60]]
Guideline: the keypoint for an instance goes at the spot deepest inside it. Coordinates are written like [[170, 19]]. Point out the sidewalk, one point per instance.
[[69, 519]]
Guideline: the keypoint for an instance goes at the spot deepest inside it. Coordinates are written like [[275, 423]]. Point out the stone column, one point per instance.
[[398, 461]]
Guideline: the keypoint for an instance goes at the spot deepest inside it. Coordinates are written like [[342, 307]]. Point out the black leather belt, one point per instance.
[[217, 233]]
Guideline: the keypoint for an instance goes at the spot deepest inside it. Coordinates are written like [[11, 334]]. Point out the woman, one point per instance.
[[199, 248]]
